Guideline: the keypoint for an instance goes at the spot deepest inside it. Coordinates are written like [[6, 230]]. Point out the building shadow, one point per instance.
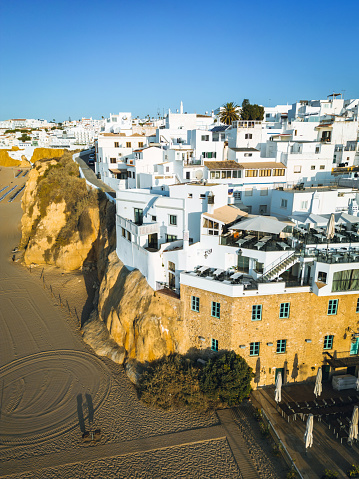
[[295, 368]]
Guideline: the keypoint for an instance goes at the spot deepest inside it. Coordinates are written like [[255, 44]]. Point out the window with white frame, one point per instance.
[[297, 169], [284, 203], [173, 220], [304, 205], [263, 192], [205, 138], [248, 192]]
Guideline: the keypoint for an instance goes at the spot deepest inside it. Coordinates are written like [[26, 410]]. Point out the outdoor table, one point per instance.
[[340, 236], [319, 236], [336, 256], [203, 269], [241, 241], [354, 233], [249, 237], [266, 238], [259, 244], [236, 276], [245, 282], [284, 245]]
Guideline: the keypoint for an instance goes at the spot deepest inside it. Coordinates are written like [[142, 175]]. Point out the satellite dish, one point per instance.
[[199, 174]]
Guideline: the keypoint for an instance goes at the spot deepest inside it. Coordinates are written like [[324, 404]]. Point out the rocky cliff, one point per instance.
[[63, 223], [66, 225]]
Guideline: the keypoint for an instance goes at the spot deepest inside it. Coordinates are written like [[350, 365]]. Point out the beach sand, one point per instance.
[[53, 387]]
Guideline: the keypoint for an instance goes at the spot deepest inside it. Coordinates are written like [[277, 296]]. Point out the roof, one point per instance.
[[244, 149], [262, 164], [226, 214], [203, 116], [116, 170], [137, 134], [112, 134], [222, 165]]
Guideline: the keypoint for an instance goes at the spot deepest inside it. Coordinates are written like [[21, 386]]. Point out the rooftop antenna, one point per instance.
[[343, 94], [181, 107]]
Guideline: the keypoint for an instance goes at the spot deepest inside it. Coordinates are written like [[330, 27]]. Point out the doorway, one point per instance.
[[153, 241], [325, 372], [279, 371]]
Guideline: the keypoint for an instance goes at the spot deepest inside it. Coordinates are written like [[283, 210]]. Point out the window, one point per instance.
[[312, 167], [138, 213], [190, 195], [248, 136], [195, 304], [281, 346], [357, 308], [170, 238], [188, 175], [262, 209], [129, 237], [128, 144], [202, 196], [236, 174], [124, 232], [322, 167], [243, 264], [304, 205], [254, 349], [328, 341], [317, 149], [205, 137], [167, 169], [263, 192], [332, 306], [140, 144], [117, 145], [257, 312], [213, 227], [237, 195], [251, 173], [247, 155], [297, 169], [278, 172], [216, 309], [265, 172], [154, 218], [112, 160], [284, 310], [214, 344], [322, 276], [248, 192], [173, 220], [283, 203], [171, 266]]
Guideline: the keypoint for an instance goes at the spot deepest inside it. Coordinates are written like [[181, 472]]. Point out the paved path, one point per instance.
[[91, 453], [92, 178], [237, 444]]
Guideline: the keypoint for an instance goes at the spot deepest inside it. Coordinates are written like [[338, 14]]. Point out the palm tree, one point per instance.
[[229, 113]]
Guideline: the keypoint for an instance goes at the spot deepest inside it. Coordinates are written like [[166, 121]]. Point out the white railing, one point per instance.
[[138, 230]]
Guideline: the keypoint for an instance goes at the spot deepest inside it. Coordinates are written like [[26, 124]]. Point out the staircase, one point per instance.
[[281, 265]]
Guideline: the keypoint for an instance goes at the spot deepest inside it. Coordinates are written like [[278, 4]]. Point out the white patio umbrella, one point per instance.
[[278, 388], [308, 435], [260, 224], [318, 383], [353, 430], [330, 230], [357, 383]]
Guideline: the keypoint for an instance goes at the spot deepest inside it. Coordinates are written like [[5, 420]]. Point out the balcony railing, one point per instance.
[[138, 230]]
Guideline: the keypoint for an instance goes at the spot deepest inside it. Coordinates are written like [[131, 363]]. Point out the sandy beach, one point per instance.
[[53, 388]]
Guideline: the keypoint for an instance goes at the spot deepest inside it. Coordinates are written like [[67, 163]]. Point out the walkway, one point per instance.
[[91, 177]]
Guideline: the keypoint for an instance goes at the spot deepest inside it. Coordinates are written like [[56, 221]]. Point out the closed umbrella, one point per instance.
[[353, 430], [278, 388], [318, 383], [308, 435], [330, 230], [357, 383]]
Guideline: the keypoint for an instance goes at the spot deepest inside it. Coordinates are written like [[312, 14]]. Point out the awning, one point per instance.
[[310, 219], [261, 224]]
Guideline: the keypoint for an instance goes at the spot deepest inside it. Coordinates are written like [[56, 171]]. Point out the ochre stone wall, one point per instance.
[[308, 319]]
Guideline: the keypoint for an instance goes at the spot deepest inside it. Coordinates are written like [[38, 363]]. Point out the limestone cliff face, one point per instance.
[[63, 223], [145, 323], [66, 225]]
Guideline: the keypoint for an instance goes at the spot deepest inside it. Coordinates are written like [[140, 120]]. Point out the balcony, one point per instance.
[[342, 359], [137, 230]]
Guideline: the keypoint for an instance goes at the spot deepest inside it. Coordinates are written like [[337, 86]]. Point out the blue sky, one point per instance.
[[89, 58]]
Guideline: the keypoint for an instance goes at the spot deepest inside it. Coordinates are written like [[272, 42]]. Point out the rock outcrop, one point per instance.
[[63, 223], [66, 225]]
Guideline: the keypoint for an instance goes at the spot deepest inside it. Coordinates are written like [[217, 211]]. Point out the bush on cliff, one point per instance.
[[178, 381]]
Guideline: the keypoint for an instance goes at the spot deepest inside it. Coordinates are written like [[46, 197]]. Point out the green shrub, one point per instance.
[[353, 471], [292, 474], [176, 381], [328, 474], [264, 428]]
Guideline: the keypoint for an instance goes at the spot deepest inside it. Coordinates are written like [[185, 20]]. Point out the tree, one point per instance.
[[229, 113], [24, 137], [251, 112], [226, 379]]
